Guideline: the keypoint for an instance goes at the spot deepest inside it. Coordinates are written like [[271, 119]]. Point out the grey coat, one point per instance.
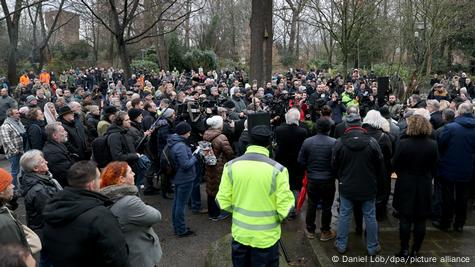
[[136, 220]]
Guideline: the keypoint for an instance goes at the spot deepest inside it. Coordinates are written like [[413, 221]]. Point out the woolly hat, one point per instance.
[[229, 104], [215, 122], [64, 110], [30, 98], [5, 179], [323, 125], [109, 110], [167, 113], [182, 128], [134, 113]]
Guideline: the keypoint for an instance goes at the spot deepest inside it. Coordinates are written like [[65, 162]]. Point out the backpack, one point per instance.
[[100, 151], [167, 164], [208, 153]]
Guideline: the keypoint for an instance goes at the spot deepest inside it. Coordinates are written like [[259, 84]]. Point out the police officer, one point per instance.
[[256, 190]]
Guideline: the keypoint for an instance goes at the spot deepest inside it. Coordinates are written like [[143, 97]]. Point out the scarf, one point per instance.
[[17, 125]]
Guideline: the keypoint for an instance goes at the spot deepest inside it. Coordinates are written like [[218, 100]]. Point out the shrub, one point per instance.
[[144, 65], [196, 58]]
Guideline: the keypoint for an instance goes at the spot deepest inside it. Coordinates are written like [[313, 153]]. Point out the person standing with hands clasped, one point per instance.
[[185, 165], [256, 190]]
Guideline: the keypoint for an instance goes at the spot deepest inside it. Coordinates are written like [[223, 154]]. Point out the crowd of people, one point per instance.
[[85, 146]]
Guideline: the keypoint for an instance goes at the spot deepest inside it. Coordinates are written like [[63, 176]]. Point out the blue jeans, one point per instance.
[[196, 192], [15, 167], [182, 195], [369, 214]]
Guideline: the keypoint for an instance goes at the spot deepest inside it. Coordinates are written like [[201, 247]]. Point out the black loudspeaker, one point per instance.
[[259, 118], [383, 90]]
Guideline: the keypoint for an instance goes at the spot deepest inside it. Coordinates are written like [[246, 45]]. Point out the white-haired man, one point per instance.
[[290, 137]]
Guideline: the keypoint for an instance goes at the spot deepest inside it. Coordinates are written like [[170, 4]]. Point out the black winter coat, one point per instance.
[[359, 164], [121, 145], [59, 160], [37, 189], [81, 231], [76, 137], [436, 120], [36, 134], [91, 126], [289, 140], [316, 155], [415, 163]]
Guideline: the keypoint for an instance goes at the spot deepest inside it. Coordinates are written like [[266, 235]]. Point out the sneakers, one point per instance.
[[309, 235], [187, 233], [340, 250], [200, 211], [327, 235], [221, 217]]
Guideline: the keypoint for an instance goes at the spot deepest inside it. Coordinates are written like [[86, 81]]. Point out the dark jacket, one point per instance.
[[457, 150], [415, 163], [183, 159], [161, 134], [36, 134], [59, 160], [148, 119], [316, 155], [243, 143], [37, 189], [289, 140], [121, 145], [81, 231], [135, 132], [11, 230], [359, 163], [91, 125], [76, 137]]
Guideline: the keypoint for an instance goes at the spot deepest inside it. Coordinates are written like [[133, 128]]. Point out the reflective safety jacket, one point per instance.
[[256, 190]]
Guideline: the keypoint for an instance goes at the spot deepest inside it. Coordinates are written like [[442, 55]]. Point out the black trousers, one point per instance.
[[454, 200], [213, 208], [405, 224], [246, 256], [316, 191]]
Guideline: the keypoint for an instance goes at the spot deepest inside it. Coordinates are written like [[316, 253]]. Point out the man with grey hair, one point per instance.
[[58, 157], [341, 127], [433, 107], [455, 169], [38, 187], [289, 138]]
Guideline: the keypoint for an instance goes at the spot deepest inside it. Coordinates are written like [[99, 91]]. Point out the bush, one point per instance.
[[319, 64], [144, 66], [196, 58], [384, 69]]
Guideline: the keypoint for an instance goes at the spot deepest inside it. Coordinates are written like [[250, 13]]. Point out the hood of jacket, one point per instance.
[[211, 134], [467, 121], [355, 139], [30, 179], [114, 128], [116, 192], [174, 139], [68, 204]]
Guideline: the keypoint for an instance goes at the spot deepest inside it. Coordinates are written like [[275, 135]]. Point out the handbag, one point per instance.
[[31, 237]]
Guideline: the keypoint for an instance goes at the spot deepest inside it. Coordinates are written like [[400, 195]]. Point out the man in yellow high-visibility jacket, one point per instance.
[[256, 190]]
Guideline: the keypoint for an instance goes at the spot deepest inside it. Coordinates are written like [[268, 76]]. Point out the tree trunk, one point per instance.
[[12, 28], [293, 33], [187, 25], [261, 41], [124, 55]]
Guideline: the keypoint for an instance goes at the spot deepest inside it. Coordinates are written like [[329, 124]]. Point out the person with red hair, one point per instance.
[[134, 216]]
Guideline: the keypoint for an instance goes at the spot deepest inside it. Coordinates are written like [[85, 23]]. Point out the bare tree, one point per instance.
[[12, 19], [123, 15]]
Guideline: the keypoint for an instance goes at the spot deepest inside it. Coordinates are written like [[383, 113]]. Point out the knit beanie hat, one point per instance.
[[5, 179], [182, 128], [134, 113], [167, 113], [215, 122]]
